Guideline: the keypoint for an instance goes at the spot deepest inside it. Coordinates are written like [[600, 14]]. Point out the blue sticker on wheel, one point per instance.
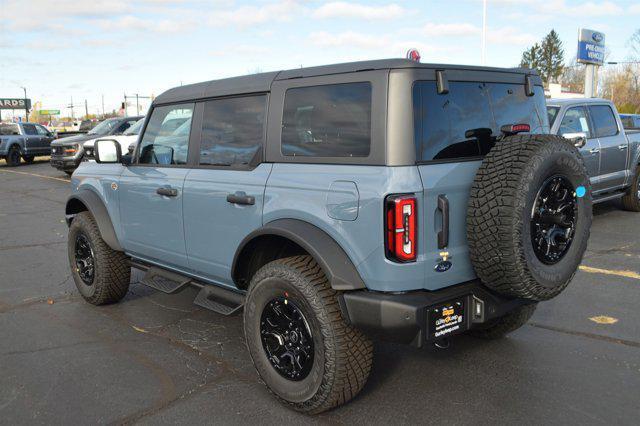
[[581, 191]]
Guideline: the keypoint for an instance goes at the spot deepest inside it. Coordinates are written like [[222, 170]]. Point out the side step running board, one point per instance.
[[223, 301], [164, 281], [214, 298]]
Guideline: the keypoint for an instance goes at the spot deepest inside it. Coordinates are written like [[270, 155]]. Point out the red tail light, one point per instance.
[[401, 228]]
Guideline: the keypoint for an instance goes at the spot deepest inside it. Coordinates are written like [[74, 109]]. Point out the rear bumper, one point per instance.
[[403, 317]]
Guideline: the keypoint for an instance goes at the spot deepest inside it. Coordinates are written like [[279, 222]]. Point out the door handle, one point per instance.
[[621, 147], [241, 198], [167, 192], [443, 235], [594, 150]]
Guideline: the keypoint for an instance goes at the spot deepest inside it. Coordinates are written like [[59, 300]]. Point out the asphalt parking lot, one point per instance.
[[156, 358]]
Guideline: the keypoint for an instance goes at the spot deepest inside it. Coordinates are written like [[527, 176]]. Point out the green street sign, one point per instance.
[[49, 112]]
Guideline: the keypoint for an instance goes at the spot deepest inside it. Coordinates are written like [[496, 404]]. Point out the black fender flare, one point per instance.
[[336, 264], [96, 207]]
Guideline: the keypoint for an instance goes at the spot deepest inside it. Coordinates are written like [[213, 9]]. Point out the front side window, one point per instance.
[[466, 122], [575, 121], [161, 144], [552, 113], [42, 131], [603, 120], [327, 121], [232, 131]]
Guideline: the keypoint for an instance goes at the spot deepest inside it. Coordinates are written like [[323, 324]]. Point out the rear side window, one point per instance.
[[29, 129], [233, 131], [466, 122], [327, 121], [164, 142], [575, 121], [603, 120]]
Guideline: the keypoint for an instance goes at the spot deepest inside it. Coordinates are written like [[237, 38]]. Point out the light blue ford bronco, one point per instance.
[[337, 205]]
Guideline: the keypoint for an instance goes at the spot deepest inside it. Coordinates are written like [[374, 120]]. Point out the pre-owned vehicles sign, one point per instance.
[[11, 103], [590, 47]]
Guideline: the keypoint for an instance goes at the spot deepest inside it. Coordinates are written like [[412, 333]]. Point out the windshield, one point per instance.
[[552, 113], [9, 129], [105, 127], [135, 129]]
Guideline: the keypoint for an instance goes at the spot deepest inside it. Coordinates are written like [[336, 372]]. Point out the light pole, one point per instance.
[[483, 58], [26, 106]]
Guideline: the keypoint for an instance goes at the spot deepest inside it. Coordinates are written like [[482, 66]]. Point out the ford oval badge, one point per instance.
[[442, 266], [597, 37]]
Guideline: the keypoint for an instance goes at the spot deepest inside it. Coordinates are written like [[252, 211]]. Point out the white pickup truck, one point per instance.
[[611, 153]]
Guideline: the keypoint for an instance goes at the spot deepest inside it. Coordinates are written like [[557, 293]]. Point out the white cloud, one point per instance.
[[554, 8], [340, 9], [449, 30], [510, 36], [130, 22], [349, 39], [247, 16]]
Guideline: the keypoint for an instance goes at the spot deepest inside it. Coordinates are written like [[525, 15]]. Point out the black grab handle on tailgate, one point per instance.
[[443, 235]]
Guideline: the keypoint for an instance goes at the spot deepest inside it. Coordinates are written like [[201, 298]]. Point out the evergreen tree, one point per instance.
[[546, 57], [531, 57], [552, 58]]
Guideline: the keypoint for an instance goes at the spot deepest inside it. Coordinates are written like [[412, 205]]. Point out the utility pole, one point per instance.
[[483, 58], [70, 106], [26, 107], [138, 97], [86, 109], [137, 105], [103, 106]]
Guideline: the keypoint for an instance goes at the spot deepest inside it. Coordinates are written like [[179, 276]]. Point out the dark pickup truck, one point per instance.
[[24, 140]]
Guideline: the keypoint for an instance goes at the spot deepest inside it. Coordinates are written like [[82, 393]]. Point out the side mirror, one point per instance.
[[579, 139], [107, 151]]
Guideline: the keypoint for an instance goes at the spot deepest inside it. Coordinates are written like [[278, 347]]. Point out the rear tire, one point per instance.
[[338, 359], [68, 172], [527, 226], [499, 327], [13, 156], [101, 274], [631, 200], [28, 158]]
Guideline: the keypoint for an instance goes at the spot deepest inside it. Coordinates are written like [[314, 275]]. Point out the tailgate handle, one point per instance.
[[443, 235]]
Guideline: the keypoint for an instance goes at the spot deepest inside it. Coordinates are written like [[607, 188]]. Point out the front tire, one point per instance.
[[301, 346], [101, 274], [631, 200], [28, 158]]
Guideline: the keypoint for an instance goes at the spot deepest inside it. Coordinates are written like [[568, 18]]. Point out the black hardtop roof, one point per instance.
[[261, 82]]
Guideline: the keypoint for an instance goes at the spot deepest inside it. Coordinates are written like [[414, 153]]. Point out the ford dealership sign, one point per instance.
[[590, 47]]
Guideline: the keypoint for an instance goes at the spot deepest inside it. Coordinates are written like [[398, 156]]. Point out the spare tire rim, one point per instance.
[[85, 264], [286, 339], [553, 219]]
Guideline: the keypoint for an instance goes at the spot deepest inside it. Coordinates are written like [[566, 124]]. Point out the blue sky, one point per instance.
[[86, 49]]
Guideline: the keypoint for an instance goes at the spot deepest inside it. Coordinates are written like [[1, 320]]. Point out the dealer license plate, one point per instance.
[[447, 319]]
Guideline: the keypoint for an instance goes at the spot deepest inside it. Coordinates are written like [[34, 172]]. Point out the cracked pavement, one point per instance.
[[159, 359]]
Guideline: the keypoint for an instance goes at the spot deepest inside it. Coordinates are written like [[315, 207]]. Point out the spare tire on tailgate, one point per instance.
[[529, 216]]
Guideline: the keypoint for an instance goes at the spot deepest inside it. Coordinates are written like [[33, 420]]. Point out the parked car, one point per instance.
[[630, 121], [127, 140], [24, 140], [611, 152], [338, 204], [67, 153]]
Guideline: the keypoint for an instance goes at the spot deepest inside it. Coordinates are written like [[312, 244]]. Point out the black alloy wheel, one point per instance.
[[85, 260], [553, 219], [286, 339]]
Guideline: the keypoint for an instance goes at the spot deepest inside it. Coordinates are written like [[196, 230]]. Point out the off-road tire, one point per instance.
[[342, 354], [631, 200], [28, 158], [112, 272], [499, 215], [499, 327], [13, 156]]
